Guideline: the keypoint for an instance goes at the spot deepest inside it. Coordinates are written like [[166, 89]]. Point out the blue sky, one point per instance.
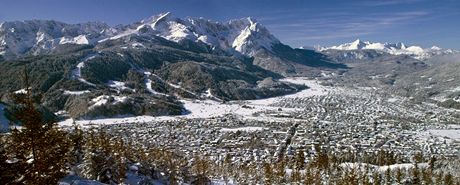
[[294, 22]]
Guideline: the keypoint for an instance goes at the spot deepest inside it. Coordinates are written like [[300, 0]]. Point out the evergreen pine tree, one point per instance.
[[77, 141], [40, 148], [426, 176], [103, 159], [448, 179], [439, 177], [376, 178], [300, 160], [309, 178], [388, 178], [201, 168], [431, 163], [280, 170], [365, 176], [399, 175], [318, 177], [268, 173], [8, 168], [415, 174]]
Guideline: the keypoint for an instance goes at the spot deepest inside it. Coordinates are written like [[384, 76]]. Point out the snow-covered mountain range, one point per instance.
[[241, 36], [39, 36], [244, 36], [416, 52]]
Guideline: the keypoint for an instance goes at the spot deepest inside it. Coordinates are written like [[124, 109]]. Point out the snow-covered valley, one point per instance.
[[354, 107], [339, 118]]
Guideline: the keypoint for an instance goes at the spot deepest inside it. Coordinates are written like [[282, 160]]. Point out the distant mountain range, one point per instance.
[[416, 52]]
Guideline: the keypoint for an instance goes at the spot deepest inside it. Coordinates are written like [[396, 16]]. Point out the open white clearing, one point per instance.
[[451, 133], [76, 73]]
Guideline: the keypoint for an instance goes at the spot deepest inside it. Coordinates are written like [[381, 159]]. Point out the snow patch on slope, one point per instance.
[[76, 92], [76, 73], [119, 86], [106, 99], [148, 84], [81, 40]]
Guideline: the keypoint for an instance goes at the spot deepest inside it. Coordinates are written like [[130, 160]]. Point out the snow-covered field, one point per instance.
[[209, 108], [118, 120], [449, 133], [315, 89]]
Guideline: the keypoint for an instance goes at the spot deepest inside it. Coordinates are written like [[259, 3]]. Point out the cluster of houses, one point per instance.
[[350, 121]]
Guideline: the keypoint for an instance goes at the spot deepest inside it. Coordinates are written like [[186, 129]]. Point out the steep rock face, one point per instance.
[[416, 52], [243, 36]]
